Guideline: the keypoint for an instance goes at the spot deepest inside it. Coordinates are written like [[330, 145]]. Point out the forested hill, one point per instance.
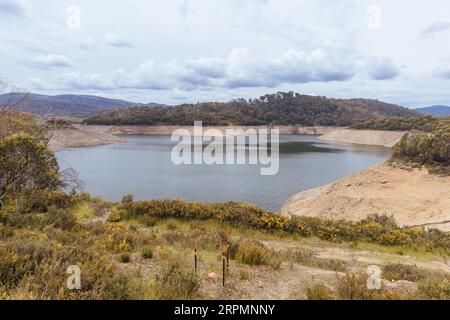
[[65, 104], [277, 109]]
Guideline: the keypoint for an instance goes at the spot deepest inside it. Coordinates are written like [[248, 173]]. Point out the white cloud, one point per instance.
[[115, 40], [239, 70], [187, 48], [76, 80], [50, 60]]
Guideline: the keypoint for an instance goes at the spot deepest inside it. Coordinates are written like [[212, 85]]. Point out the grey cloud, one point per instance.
[[382, 69], [238, 70], [115, 40], [435, 28], [444, 71], [80, 81], [50, 60], [11, 7]]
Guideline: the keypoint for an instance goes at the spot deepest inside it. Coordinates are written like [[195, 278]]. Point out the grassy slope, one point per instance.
[[291, 264]]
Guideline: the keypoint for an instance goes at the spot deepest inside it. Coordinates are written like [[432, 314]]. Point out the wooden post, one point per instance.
[[223, 269], [195, 260], [228, 254]]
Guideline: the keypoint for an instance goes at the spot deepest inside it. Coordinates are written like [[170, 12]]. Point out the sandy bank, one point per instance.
[[167, 130], [413, 197], [368, 137], [84, 136]]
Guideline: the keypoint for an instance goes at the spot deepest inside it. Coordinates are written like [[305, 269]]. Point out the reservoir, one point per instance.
[[143, 166]]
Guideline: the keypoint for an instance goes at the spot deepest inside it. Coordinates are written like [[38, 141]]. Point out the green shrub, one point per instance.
[[244, 275], [172, 226], [147, 253], [380, 229], [397, 271], [125, 257], [438, 289], [128, 198], [175, 283], [255, 253], [148, 221], [114, 217], [353, 287], [319, 292], [427, 148], [424, 123], [60, 218]]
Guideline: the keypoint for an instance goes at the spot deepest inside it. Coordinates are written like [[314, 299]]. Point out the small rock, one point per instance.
[[212, 275]]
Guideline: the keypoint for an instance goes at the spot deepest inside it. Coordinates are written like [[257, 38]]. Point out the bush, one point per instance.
[[125, 258], [174, 283], [256, 254], [424, 123], [397, 271], [380, 229], [353, 287], [128, 198], [436, 289], [60, 218], [114, 217], [319, 292], [427, 148], [147, 253]]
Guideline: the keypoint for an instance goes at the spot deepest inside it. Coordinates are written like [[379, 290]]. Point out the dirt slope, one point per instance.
[[413, 196], [369, 137]]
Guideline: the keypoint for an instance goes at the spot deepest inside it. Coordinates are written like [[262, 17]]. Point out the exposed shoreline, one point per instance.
[[413, 196], [386, 139], [87, 136]]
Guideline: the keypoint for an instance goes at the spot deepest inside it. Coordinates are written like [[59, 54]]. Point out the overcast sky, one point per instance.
[[176, 51]]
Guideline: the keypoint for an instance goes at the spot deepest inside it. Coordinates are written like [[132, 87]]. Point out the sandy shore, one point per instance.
[[85, 136], [368, 137], [414, 197], [82, 136]]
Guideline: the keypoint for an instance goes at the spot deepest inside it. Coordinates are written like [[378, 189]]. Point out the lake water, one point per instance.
[[143, 167]]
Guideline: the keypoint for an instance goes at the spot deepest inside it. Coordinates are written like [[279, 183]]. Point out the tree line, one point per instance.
[[271, 109]]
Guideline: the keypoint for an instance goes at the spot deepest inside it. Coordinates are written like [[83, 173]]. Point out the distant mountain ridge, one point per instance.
[[67, 104], [437, 110], [278, 109]]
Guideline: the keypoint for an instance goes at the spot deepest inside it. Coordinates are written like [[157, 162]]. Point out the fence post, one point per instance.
[[195, 260], [223, 269], [228, 254]]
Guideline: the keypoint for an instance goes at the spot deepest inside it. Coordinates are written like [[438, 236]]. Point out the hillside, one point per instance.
[[423, 123], [438, 111], [276, 109], [65, 105]]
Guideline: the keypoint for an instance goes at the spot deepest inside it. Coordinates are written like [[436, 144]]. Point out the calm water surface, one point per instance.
[[143, 167]]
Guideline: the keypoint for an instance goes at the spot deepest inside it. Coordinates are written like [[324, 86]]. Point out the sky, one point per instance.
[[182, 51]]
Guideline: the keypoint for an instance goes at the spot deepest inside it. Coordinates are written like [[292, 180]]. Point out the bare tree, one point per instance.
[[16, 96]]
